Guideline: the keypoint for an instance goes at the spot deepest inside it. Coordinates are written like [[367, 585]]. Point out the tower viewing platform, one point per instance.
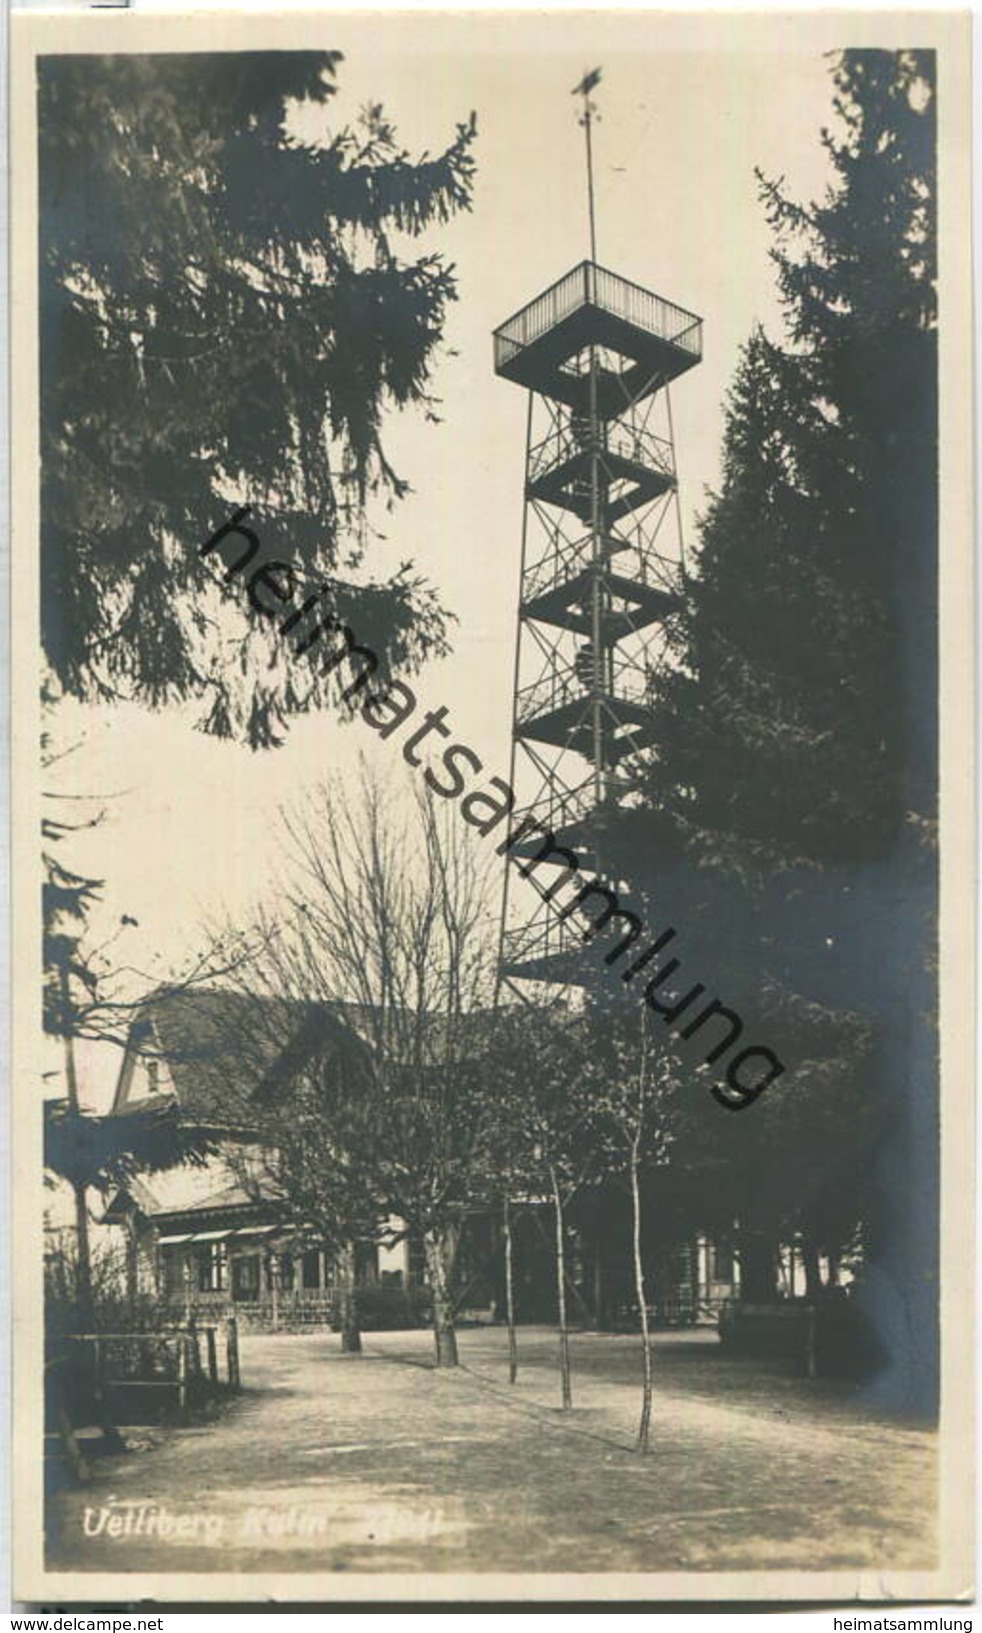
[[641, 341]]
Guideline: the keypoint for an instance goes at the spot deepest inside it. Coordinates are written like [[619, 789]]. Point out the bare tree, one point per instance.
[[509, 1247], [302, 1167], [305, 1102], [637, 1119], [386, 923], [546, 1123]]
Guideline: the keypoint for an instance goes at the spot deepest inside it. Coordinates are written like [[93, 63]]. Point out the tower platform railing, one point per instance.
[[556, 566], [635, 445], [591, 285], [563, 686]]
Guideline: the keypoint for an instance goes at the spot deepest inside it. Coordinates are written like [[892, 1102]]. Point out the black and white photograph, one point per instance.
[[492, 662]]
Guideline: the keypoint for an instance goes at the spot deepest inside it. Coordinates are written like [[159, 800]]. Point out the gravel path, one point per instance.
[[380, 1463]]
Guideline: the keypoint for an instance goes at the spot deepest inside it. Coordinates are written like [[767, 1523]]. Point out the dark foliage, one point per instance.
[[796, 762], [387, 1308], [107, 1151], [797, 727], [226, 319]]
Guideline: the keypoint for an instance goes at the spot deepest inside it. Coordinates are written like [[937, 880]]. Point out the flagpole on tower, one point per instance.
[[586, 85]]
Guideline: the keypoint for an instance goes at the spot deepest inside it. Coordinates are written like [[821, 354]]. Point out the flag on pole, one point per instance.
[[587, 83]]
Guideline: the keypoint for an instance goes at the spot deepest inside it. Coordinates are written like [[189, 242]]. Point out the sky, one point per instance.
[[686, 112]]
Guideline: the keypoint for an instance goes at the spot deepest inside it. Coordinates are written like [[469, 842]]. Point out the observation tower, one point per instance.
[[600, 581]]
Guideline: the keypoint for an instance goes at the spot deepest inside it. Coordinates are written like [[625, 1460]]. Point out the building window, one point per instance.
[[286, 1272], [721, 1263], [415, 1262], [245, 1277], [310, 1269], [172, 1267], [366, 1264], [210, 1262]]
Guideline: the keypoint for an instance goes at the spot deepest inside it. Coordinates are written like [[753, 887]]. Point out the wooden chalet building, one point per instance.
[[215, 1237]]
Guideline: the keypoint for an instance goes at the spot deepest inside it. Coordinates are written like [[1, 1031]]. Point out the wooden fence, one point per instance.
[[107, 1378]]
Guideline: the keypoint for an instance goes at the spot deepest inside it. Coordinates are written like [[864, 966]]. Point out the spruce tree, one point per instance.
[[797, 731], [858, 280], [228, 315], [781, 689], [799, 717]]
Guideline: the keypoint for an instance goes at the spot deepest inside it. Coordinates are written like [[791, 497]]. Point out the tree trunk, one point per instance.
[[639, 1288], [565, 1375], [132, 1264], [510, 1295], [348, 1301], [83, 1267], [598, 1288], [439, 1247], [758, 1271], [601, 1315], [85, 1301], [813, 1274], [273, 1282], [83, 1255]]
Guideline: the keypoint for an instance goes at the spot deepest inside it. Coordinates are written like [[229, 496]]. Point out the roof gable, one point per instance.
[[235, 1177], [225, 1053]]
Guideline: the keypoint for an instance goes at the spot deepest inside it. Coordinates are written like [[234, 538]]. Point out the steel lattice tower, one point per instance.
[[600, 577]]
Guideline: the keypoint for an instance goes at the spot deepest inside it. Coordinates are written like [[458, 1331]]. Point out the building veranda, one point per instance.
[[216, 1237]]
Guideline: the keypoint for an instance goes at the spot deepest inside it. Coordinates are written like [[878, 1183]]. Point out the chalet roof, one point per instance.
[[183, 1190], [437, 1039], [228, 1052], [222, 1184]]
